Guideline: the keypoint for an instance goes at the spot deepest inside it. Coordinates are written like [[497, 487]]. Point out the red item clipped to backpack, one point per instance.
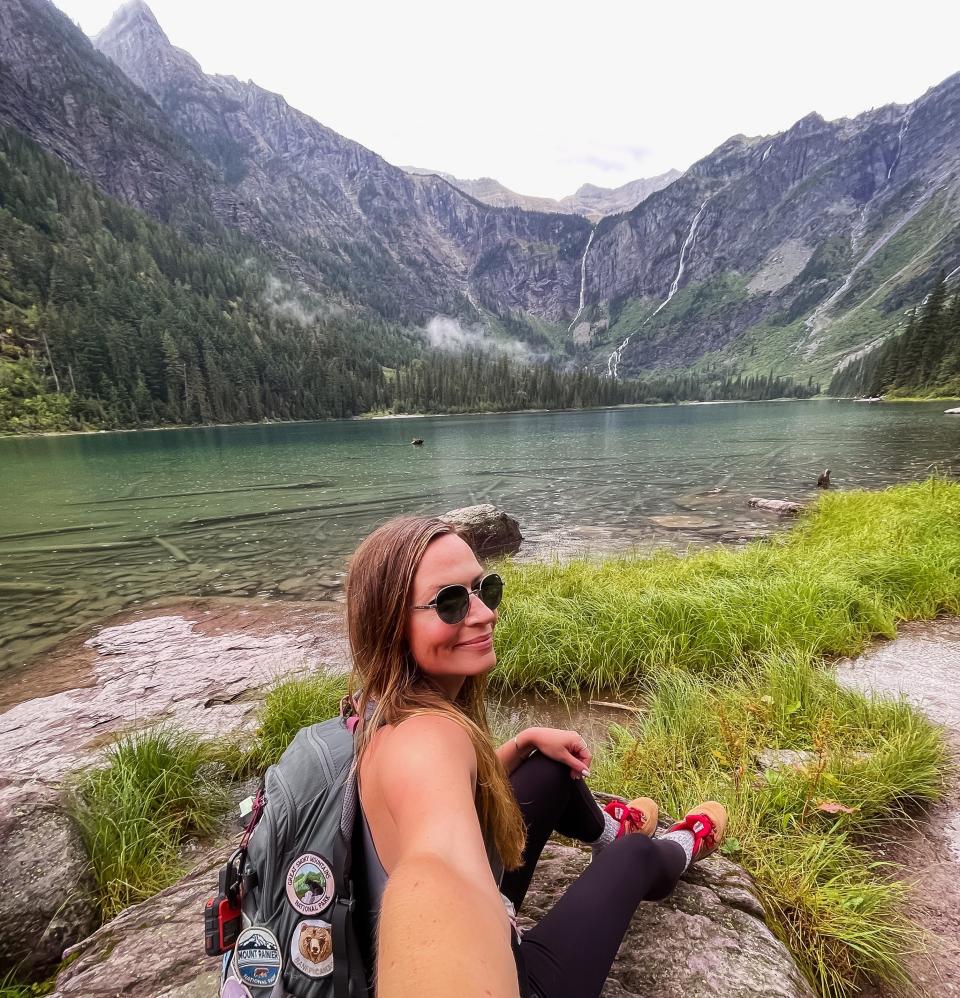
[[222, 917]]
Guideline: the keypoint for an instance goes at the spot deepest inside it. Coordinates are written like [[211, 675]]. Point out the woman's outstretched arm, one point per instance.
[[440, 935], [443, 927]]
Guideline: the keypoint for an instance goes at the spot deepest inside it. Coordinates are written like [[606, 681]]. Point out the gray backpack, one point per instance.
[[291, 886]]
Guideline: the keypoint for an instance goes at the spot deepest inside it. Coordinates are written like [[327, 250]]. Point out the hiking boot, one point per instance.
[[707, 823], [640, 815]]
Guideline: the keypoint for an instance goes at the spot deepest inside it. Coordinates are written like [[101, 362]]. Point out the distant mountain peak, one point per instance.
[[135, 15], [135, 41]]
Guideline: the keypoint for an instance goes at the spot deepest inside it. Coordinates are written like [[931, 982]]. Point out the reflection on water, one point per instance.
[[94, 523]]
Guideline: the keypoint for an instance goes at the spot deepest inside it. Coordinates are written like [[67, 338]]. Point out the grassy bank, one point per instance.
[[725, 649], [799, 824], [852, 567]]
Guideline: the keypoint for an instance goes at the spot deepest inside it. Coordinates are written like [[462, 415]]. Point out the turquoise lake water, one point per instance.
[[96, 523]]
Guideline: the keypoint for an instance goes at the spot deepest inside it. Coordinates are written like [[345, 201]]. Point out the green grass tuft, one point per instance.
[[867, 762], [135, 812], [10, 987], [290, 705]]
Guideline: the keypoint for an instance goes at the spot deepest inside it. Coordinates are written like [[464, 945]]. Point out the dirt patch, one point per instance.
[[923, 665]]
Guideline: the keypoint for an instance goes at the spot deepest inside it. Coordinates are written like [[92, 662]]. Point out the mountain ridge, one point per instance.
[[589, 200], [792, 250]]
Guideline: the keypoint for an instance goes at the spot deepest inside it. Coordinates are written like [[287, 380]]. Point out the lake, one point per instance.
[[96, 523]]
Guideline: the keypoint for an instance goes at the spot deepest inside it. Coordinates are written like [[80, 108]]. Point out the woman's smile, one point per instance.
[[482, 643]]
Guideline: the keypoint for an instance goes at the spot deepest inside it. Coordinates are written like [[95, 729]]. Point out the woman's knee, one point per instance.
[[541, 772], [653, 860]]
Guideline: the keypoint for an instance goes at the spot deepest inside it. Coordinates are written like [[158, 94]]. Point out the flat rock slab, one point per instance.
[[923, 665], [709, 939], [200, 665]]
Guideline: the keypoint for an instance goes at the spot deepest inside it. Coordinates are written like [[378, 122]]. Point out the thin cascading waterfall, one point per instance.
[[613, 361], [904, 125], [583, 280], [470, 297], [814, 321]]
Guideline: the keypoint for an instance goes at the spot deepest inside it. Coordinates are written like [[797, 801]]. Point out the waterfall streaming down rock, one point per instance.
[[613, 361], [903, 131], [470, 298], [583, 280]]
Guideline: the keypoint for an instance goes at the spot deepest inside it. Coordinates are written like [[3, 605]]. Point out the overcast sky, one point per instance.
[[545, 96]]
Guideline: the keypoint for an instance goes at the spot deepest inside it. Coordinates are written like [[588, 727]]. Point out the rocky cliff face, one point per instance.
[[317, 186], [789, 251]]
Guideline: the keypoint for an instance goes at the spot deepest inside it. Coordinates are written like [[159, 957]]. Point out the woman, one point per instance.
[[446, 813]]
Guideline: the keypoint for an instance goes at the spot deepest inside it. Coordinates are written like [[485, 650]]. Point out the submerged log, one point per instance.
[[784, 507]]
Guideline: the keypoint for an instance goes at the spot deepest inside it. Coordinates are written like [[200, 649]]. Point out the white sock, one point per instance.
[[685, 840], [609, 833]]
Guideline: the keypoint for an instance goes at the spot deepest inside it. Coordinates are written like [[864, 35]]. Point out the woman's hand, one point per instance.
[[563, 746]]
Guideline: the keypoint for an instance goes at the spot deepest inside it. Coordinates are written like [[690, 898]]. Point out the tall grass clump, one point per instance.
[[290, 705], [798, 828], [135, 812], [854, 565]]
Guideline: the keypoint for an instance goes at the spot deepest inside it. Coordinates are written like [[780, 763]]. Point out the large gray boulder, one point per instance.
[[488, 530], [153, 949], [47, 891], [709, 939]]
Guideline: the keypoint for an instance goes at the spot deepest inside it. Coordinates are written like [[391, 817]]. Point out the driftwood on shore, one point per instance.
[[783, 507]]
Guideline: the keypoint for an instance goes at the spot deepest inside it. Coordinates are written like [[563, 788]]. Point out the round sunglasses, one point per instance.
[[452, 603]]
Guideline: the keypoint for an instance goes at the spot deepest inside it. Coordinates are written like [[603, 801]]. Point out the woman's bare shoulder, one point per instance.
[[421, 747]]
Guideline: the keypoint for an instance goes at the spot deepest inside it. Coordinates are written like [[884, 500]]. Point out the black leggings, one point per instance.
[[568, 954]]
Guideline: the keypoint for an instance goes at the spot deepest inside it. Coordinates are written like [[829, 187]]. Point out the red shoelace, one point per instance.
[[701, 827], [630, 818]]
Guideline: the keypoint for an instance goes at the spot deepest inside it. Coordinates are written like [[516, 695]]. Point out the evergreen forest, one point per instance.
[[109, 319], [922, 361]]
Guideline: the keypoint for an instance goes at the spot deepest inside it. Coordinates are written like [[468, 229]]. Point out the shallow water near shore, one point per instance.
[[97, 523]]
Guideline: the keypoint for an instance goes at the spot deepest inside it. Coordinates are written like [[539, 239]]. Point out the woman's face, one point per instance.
[[450, 652]]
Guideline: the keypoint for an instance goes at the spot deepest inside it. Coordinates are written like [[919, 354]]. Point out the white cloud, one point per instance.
[[445, 333]]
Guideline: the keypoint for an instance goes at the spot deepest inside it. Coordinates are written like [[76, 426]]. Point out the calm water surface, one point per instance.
[[92, 524]]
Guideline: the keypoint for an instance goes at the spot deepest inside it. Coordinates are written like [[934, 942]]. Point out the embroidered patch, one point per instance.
[[311, 947], [257, 957], [310, 884]]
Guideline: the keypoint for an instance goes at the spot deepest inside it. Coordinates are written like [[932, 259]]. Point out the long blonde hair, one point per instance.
[[379, 595]]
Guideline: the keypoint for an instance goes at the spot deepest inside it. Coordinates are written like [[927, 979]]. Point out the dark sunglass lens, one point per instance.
[[452, 604], [491, 591]]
